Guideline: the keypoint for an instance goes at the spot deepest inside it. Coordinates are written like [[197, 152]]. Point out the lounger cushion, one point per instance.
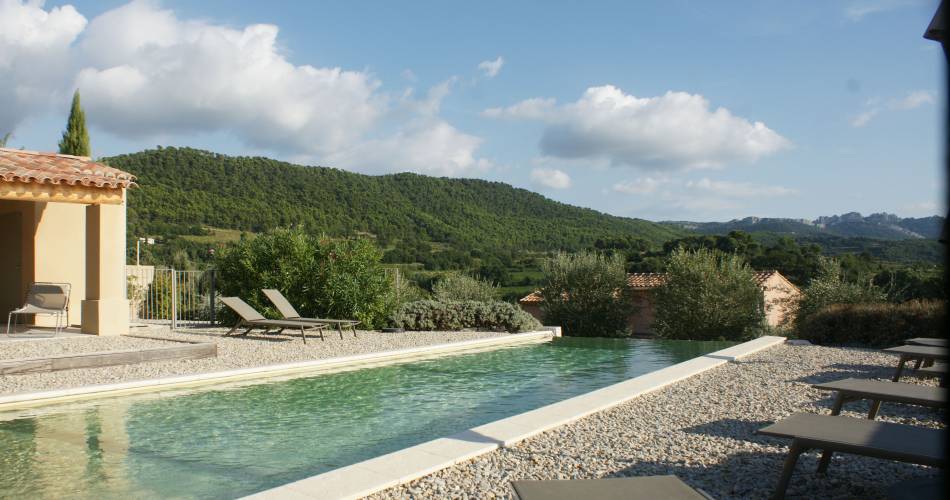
[[871, 438], [630, 488]]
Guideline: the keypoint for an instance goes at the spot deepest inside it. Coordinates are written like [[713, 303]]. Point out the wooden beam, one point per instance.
[[94, 360], [60, 193]]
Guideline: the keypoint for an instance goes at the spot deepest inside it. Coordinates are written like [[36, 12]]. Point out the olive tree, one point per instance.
[[586, 294], [708, 295]]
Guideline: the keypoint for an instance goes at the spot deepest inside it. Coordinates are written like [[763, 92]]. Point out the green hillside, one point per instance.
[[185, 191]]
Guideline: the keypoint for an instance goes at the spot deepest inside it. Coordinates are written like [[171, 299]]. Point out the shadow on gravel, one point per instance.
[[840, 371], [731, 428], [755, 474]]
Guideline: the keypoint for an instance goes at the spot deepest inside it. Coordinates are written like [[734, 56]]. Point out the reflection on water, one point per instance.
[[227, 443]]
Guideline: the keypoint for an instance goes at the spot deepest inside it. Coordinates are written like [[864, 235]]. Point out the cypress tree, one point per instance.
[[76, 138]]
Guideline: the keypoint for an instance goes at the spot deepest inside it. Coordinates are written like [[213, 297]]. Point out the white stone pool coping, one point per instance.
[[376, 474], [265, 373]]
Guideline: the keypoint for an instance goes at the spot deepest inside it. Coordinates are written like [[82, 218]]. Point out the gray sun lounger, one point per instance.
[[623, 488], [288, 312], [871, 438], [921, 353], [927, 341], [853, 389], [250, 318]]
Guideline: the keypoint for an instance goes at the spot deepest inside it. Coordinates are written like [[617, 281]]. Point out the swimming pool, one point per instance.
[[225, 443]]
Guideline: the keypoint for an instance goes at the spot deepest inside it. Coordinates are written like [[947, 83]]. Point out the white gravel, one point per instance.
[[702, 430], [233, 352]]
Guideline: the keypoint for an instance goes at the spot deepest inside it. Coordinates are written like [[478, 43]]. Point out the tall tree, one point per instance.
[[4, 139], [76, 138]]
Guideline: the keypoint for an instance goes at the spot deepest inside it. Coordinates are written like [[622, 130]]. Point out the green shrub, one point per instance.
[[586, 294], [874, 325], [708, 295], [828, 287], [321, 278], [456, 315], [459, 287]]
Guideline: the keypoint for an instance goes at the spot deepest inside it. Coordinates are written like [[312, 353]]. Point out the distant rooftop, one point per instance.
[[648, 281]]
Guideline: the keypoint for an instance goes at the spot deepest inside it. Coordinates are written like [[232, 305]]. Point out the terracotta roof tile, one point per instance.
[[647, 281], [40, 168]]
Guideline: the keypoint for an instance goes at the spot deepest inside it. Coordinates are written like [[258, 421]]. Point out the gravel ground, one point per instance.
[[702, 430], [22, 349], [233, 352]]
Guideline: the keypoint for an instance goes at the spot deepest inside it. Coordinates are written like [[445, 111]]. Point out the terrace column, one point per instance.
[[106, 308]]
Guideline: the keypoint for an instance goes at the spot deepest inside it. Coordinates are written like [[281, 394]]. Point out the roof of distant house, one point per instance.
[[31, 167], [648, 281]]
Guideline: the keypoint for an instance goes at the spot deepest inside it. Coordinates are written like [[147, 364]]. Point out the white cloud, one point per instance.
[[914, 99], [409, 75], [529, 109], [144, 72], [551, 178], [858, 9], [737, 189], [148, 72], [431, 147], [641, 185], [491, 68], [34, 57], [874, 106], [864, 118], [674, 131], [924, 207]]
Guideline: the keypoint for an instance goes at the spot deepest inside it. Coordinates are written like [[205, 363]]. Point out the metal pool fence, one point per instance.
[[171, 297]]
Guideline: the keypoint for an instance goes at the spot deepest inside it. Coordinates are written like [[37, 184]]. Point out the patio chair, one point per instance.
[[250, 318], [44, 298], [903, 443], [288, 312], [625, 488]]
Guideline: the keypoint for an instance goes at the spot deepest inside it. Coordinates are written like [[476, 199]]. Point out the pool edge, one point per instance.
[[18, 401], [376, 474]]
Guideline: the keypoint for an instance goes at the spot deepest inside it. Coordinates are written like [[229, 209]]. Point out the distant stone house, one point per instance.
[[776, 290]]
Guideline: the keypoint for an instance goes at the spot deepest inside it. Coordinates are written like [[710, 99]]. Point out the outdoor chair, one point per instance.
[[289, 313], [250, 318], [903, 443], [621, 488], [51, 299]]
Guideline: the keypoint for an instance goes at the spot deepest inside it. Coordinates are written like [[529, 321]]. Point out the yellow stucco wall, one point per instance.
[[52, 249]]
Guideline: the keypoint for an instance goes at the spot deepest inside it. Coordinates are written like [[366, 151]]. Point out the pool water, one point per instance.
[[225, 443]]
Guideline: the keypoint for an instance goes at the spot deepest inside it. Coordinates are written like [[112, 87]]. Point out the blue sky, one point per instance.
[[664, 110]]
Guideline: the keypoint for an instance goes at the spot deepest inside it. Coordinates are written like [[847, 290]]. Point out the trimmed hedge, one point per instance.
[[456, 315], [874, 325]]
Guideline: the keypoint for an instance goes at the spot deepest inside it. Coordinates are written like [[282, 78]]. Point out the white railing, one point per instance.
[[172, 297]]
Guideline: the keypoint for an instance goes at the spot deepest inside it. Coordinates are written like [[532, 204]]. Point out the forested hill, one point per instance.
[[880, 226], [182, 190]]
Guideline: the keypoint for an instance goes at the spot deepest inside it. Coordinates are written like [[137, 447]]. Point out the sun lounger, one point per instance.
[[916, 352], [250, 318], [904, 443], [288, 312], [624, 488], [852, 389], [927, 341]]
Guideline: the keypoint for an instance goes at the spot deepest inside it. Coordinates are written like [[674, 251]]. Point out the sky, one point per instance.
[[666, 110]]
